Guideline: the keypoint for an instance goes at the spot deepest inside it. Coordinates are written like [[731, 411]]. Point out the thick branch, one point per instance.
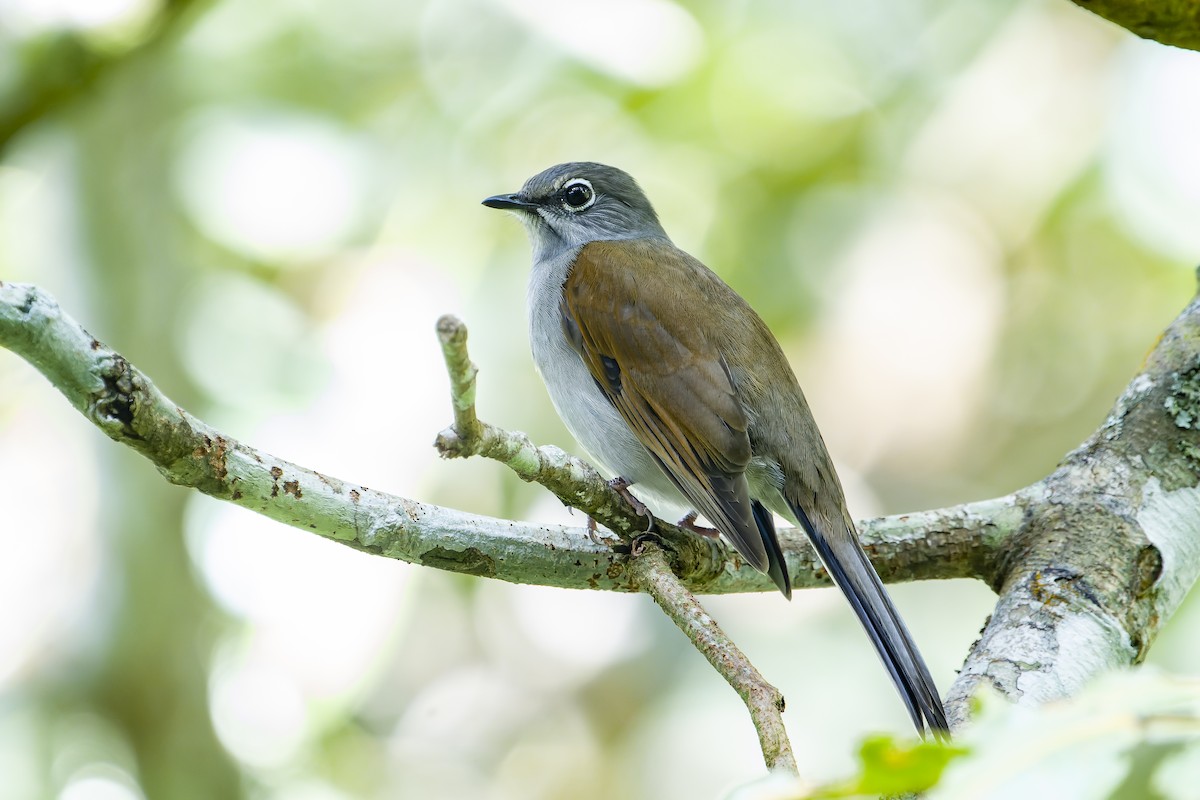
[[115, 396], [1173, 22], [1112, 544]]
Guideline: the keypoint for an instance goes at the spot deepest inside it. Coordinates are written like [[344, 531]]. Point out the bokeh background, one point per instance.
[[966, 222]]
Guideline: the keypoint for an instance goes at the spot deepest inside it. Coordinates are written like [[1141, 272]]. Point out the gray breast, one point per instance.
[[587, 413]]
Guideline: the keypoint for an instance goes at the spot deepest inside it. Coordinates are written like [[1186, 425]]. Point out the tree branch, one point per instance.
[[1111, 544], [965, 541], [1173, 22], [573, 481], [649, 568], [1089, 562], [652, 572]]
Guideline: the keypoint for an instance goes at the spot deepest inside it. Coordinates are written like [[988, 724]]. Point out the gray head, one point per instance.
[[572, 204]]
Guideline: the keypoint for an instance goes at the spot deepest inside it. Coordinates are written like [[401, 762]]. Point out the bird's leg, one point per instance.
[[621, 486], [689, 523]]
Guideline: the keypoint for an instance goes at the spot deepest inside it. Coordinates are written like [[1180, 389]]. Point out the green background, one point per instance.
[[965, 222]]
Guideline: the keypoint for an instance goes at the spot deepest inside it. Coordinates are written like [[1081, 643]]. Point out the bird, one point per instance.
[[670, 380]]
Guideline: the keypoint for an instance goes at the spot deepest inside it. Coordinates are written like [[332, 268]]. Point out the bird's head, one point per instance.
[[569, 205]]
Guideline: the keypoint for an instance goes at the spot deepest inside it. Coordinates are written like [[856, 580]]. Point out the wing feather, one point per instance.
[[666, 379]]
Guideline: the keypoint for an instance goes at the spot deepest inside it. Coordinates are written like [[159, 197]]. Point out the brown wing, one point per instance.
[[623, 311]]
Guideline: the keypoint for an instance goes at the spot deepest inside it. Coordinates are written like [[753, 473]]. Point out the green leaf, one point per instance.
[[892, 767]]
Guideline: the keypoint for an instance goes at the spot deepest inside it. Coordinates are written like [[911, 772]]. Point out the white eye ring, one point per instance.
[[588, 190]]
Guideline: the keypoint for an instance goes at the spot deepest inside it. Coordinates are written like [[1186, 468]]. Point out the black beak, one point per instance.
[[512, 202]]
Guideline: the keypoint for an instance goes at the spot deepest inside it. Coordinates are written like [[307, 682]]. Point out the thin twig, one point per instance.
[[453, 336], [652, 572], [649, 568], [575, 482]]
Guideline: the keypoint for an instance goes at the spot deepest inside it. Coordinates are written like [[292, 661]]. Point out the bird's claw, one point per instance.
[[689, 523], [621, 486], [593, 533]]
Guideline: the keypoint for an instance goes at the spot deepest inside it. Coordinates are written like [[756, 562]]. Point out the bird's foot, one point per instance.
[[600, 538], [689, 523], [621, 486]]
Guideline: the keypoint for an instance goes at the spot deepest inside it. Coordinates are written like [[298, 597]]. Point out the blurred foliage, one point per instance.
[[1129, 736], [891, 768], [965, 222]]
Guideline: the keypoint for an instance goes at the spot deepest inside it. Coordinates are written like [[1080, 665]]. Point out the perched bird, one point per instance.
[[669, 379]]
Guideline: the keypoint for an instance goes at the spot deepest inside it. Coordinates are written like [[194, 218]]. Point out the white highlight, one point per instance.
[[1151, 164], [357, 604], [101, 782], [1081, 646], [276, 185], [1140, 385], [591, 195], [55, 573], [1171, 521], [1020, 122], [29, 17], [582, 629], [648, 42], [1088, 645], [918, 328], [258, 711]]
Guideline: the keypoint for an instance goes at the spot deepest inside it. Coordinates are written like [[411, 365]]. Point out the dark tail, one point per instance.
[[776, 565], [850, 569]]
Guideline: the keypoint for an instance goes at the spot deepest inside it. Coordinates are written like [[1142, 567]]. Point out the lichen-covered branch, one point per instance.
[[1110, 544], [652, 572], [1173, 22], [116, 397], [1089, 563]]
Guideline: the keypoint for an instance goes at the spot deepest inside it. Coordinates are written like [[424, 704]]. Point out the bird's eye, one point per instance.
[[577, 194]]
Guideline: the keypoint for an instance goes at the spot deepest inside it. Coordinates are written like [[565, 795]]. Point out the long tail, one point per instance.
[[850, 569]]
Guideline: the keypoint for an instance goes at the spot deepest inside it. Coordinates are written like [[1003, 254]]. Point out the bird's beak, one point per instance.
[[511, 202]]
